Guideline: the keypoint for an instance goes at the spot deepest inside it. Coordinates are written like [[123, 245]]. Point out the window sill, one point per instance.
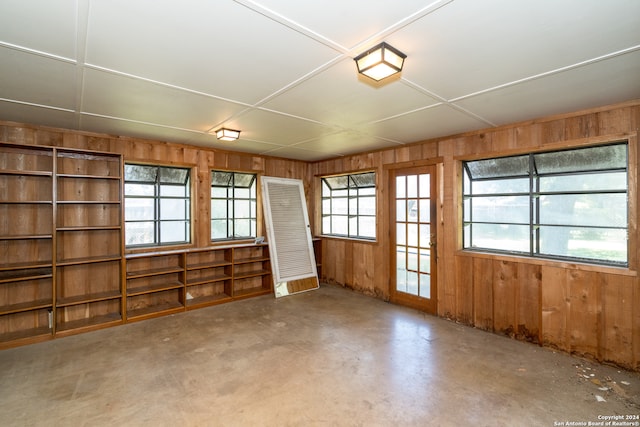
[[348, 239]]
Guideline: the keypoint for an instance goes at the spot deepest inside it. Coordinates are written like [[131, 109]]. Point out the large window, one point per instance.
[[349, 206], [569, 204], [233, 205], [156, 205]]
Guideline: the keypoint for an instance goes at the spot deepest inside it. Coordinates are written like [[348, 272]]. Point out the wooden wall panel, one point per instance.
[[483, 293], [528, 302], [555, 307], [505, 287], [617, 320], [584, 312], [464, 290]]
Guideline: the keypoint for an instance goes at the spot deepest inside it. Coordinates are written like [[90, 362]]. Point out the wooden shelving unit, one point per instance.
[[88, 240], [26, 243], [251, 271], [161, 283]]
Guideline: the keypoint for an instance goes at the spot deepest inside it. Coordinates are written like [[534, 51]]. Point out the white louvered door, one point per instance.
[[289, 235]]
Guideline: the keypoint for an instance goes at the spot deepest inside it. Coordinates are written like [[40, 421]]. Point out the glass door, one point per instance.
[[413, 237]]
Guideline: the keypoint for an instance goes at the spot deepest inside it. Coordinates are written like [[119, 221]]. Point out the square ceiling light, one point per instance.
[[224, 134], [380, 62]]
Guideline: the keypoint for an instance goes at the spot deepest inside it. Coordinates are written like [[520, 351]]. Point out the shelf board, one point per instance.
[[209, 279], [88, 298], [26, 333], [88, 202], [250, 292], [90, 323], [26, 202], [25, 172], [85, 176], [207, 300], [26, 274], [37, 265], [27, 237], [250, 260], [252, 273], [153, 272], [26, 306], [87, 260], [143, 290], [212, 264], [155, 310], [90, 228]]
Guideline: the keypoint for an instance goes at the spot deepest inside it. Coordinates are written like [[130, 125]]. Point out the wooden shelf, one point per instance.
[[25, 172], [88, 323], [25, 270], [252, 273], [250, 292], [29, 237], [214, 264], [142, 290], [89, 228], [154, 311], [84, 176], [26, 334], [26, 306], [209, 279], [153, 272], [250, 260], [87, 298], [207, 300], [88, 260]]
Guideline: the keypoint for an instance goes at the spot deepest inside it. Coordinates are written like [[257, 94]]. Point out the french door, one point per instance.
[[413, 237]]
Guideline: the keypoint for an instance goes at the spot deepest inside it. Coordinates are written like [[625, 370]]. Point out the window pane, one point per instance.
[[242, 209], [353, 206], [339, 225], [139, 233], [364, 179], [173, 191], [140, 173], [219, 229], [585, 182], [220, 178], [501, 186], [367, 226], [412, 234], [337, 182], [500, 237], [173, 175], [243, 180], [219, 192], [173, 231], [401, 210], [425, 189], [508, 209], [242, 228], [425, 260], [173, 209], [139, 190], [425, 286], [339, 206], [218, 209], [139, 209], [353, 226], [412, 186], [326, 225], [606, 210], [501, 167], [367, 206], [425, 210], [582, 159], [401, 234], [401, 186], [242, 193], [586, 243]]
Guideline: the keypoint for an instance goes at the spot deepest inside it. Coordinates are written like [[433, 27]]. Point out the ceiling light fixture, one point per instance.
[[224, 134], [380, 62]]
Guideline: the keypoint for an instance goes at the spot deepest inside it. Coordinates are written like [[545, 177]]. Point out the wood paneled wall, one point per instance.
[[583, 309]]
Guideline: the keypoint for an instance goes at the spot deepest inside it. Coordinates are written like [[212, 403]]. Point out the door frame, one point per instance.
[[435, 167]]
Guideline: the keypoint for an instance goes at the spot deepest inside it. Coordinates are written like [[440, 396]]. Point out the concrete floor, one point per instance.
[[329, 357]]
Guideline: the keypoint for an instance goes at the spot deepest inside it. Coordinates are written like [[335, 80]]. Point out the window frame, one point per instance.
[[253, 206], [534, 194], [157, 198], [349, 196]]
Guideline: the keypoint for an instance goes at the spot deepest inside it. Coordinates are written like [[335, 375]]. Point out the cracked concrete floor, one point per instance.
[[329, 357]]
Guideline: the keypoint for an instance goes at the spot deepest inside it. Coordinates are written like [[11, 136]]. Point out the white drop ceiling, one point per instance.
[[282, 71]]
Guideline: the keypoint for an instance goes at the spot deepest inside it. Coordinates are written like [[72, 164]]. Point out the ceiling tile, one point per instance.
[[343, 143], [42, 25], [338, 96], [471, 45], [35, 79], [596, 84], [425, 124], [220, 48], [124, 97], [22, 113]]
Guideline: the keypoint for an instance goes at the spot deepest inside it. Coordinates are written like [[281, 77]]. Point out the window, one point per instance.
[[233, 205], [569, 204], [349, 205], [156, 205]]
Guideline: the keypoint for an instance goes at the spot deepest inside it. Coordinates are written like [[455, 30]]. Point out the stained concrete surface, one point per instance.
[[329, 357]]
